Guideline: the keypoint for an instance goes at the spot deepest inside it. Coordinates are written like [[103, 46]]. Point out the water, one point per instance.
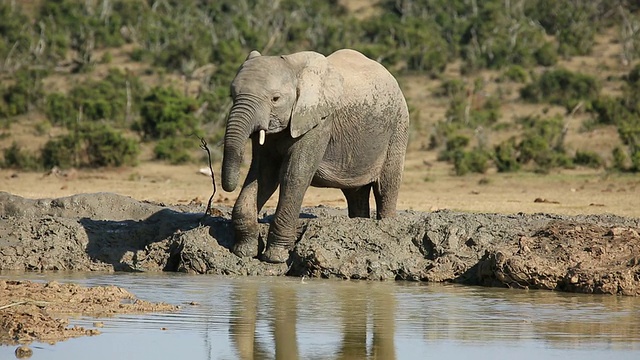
[[286, 318]]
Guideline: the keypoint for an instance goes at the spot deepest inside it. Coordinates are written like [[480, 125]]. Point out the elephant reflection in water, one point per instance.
[[243, 323], [353, 311], [356, 306]]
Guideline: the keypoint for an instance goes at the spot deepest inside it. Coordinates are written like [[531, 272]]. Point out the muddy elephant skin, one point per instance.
[[339, 121]]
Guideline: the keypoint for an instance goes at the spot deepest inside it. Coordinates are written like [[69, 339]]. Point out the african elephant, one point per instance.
[[339, 121]]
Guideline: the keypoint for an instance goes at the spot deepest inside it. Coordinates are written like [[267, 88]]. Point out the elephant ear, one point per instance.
[[253, 54], [318, 91]]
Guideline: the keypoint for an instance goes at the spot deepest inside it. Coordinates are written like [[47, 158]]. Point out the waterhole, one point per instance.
[[293, 318]]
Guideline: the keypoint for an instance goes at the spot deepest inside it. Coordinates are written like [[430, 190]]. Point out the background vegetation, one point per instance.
[[99, 80]]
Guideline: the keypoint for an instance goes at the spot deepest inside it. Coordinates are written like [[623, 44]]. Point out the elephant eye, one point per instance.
[[275, 98]]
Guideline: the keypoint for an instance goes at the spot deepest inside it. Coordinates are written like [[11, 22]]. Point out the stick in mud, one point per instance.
[[203, 146]]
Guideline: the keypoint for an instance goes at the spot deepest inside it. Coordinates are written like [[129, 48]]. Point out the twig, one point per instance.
[[203, 146], [23, 303], [13, 304]]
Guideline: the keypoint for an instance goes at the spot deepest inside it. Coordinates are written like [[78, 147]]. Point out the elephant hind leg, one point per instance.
[[387, 187], [358, 201]]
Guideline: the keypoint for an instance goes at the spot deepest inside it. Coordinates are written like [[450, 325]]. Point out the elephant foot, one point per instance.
[[275, 254], [245, 249]]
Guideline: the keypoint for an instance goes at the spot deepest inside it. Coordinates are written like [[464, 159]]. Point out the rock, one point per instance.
[[23, 352]]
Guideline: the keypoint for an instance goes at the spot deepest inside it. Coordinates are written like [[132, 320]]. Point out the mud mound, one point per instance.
[[33, 311], [591, 254]]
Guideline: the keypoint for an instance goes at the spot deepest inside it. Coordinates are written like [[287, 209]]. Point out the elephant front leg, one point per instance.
[[260, 184], [245, 218], [298, 169]]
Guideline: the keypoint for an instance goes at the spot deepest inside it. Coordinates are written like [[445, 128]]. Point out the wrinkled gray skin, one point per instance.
[[339, 121]]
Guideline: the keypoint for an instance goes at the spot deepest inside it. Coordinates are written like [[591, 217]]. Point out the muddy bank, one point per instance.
[[103, 231], [33, 311]]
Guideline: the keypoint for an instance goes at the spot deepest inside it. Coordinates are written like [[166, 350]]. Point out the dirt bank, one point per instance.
[[104, 231], [33, 311]]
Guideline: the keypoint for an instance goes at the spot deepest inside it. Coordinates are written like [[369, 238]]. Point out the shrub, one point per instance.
[[17, 158], [588, 158], [506, 156], [572, 22], [476, 161], [442, 130], [107, 147], [62, 151], [414, 42], [451, 88], [91, 145], [24, 94], [495, 38], [629, 132], [455, 143], [546, 55], [635, 161], [472, 110], [619, 159], [106, 99], [176, 150], [562, 87], [59, 109], [516, 73], [609, 110], [543, 143], [166, 113]]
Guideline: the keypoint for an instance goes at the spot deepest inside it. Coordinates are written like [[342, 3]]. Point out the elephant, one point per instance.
[[338, 121]]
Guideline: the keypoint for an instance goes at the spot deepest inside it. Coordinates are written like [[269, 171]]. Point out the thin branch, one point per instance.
[[203, 146], [36, 302], [13, 304]]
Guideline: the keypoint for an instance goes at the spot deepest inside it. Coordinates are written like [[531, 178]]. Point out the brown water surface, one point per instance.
[[289, 318]]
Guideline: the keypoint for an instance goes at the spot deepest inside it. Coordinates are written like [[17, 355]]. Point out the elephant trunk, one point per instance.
[[240, 126]]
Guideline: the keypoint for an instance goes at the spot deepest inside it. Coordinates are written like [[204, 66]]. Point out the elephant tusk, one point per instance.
[[261, 139]]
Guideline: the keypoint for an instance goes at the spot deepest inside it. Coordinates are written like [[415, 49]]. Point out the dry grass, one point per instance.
[[427, 186]]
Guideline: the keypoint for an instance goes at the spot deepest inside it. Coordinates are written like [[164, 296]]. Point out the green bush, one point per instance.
[[413, 42], [516, 73], [13, 37], [176, 150], [17, 158], [166, 113], [609, 110], [472, 110], [619, 159], [91, 145], [588, 158], [59, 109], [633, 77], [574, 23], [496, 38], [546, 55], [440, 134], [506, 156], [543, 143], [455, 144], [62, 151], [451, 88], [107, 147], [562, 87], [635, 161], [23, 94], [107, 99], [476, 161]]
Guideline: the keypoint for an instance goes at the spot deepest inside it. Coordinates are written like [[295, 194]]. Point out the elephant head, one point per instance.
[[273, 93]]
